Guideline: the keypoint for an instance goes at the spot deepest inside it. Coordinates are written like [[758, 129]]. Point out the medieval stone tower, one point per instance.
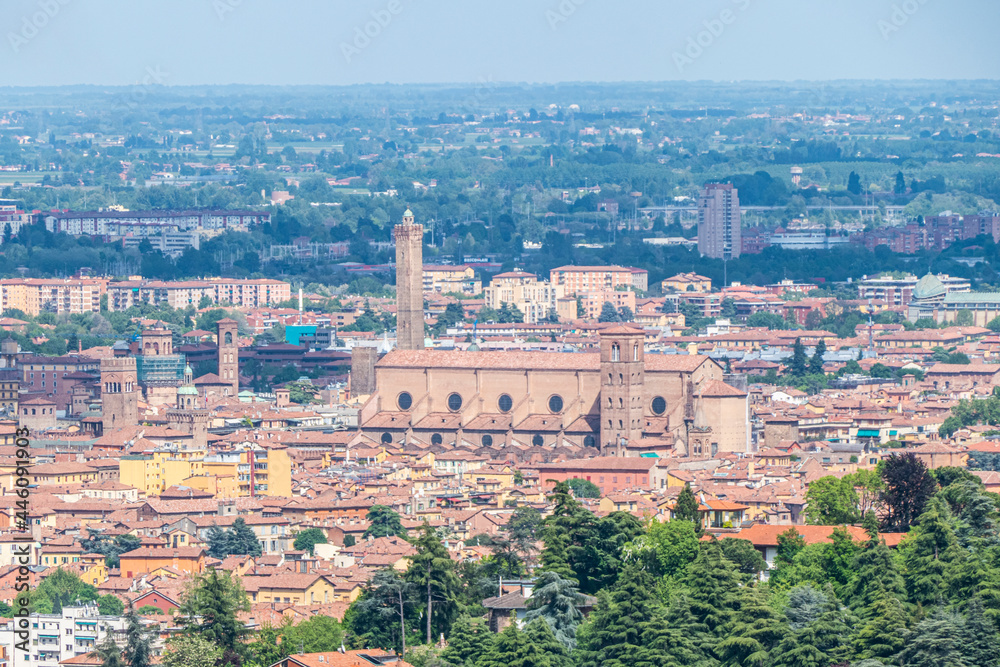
[[409, 283], [622, 377], [229, 354], [119, 390]]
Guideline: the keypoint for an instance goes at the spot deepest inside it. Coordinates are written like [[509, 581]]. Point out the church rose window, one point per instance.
[[404, 400], [659, 405], [505, 403], [454, 402], [555, 403]]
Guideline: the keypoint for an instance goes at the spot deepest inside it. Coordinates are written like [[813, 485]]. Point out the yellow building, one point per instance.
[[448, 279], [687, 282], [294, 589], [537, 300], [252, 471]]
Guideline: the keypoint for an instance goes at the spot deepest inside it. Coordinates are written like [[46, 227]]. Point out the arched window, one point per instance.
[[616, 352], [538, 440], [229, 338], [487, 440], [621, 378], [635, 352], [621, 402], [436, 439], [386, 438]]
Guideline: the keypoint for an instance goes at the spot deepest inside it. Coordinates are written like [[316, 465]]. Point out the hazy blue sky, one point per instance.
[[185, 42]]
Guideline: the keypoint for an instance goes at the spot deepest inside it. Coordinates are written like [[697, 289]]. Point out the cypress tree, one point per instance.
[[542, 649], [139, 643], [710, 584], [816, 360], [936, 641], [613, 633], [432, 572], [506, 647], [686, 507], [882, 634], [875, 574], [754, 632], [799, 363], [468, 641], [928, 553]]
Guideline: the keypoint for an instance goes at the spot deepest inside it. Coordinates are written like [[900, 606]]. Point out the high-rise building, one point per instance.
[[719, 222], [409, 283]]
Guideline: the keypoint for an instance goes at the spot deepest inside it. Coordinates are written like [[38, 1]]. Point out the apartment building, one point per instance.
[[537, 300], [55, 377], [183, 293], [11, 219], [593, 302], [35, 295], [576, 279], [56, 638], [895, 292], [719, 222], [446, 279], [151, 223]]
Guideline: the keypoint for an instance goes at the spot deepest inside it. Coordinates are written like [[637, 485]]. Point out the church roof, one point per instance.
[[501, 360], [928, 287]]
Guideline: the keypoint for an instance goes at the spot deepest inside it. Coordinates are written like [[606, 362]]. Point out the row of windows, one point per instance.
[[487, 440], [504, 403]]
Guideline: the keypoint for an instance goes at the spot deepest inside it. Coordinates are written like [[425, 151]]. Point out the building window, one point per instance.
[[386, 438], [589, 441], [616, 352], [454, 402], [538, 440], [404, 401], [487, 440], [555, 403], [436, 439], [659, 405], [505, 402]]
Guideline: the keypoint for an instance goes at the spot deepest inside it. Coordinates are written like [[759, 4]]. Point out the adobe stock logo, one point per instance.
[[363, 35], [901, 14], [33, 23], [703, 40]]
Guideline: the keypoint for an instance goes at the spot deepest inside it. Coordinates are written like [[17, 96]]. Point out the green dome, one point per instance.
[[187, 390], [929, 287], [407, 213]]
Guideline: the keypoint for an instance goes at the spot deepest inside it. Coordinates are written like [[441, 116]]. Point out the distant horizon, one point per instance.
[[292, 42]]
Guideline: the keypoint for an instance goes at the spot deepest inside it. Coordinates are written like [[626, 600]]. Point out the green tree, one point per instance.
[[109, 652], [816, 360], [883, 631], [743, 555], [556, 601], [190, 651], [900, 187], [139, 641], [609, 313], [928, 553], [798, 366], [831, 501], [710, 585], [754, 632], [383, 521], [613, 634], [317, 634], [854, 184], [522, 531], [60, 589], [209, 609], [936, 640], [583, 488], [432, 571], [468, 642], [668, 547], [686, 507], [238, 540], [111, 605], [308, 539], [386, 612], [838, 557]]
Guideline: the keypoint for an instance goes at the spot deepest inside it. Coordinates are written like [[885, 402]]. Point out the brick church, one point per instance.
[[619, 400]]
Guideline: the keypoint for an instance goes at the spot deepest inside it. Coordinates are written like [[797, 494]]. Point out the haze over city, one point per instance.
[[510, 334]]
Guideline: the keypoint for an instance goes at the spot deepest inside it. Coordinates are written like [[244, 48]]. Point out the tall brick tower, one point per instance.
[[119, 390], [622, 378], [229, 353], [409, 283]]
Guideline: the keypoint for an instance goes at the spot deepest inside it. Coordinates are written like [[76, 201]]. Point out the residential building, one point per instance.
[[537, 300], [575, 279], [719, 222], [36, 295], [242, 293], [687, 282], [57, 638], [448, 279], [150, 223]]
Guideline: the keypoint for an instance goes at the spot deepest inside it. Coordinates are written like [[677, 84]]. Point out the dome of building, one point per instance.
[[187, 390], [929, 287]]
